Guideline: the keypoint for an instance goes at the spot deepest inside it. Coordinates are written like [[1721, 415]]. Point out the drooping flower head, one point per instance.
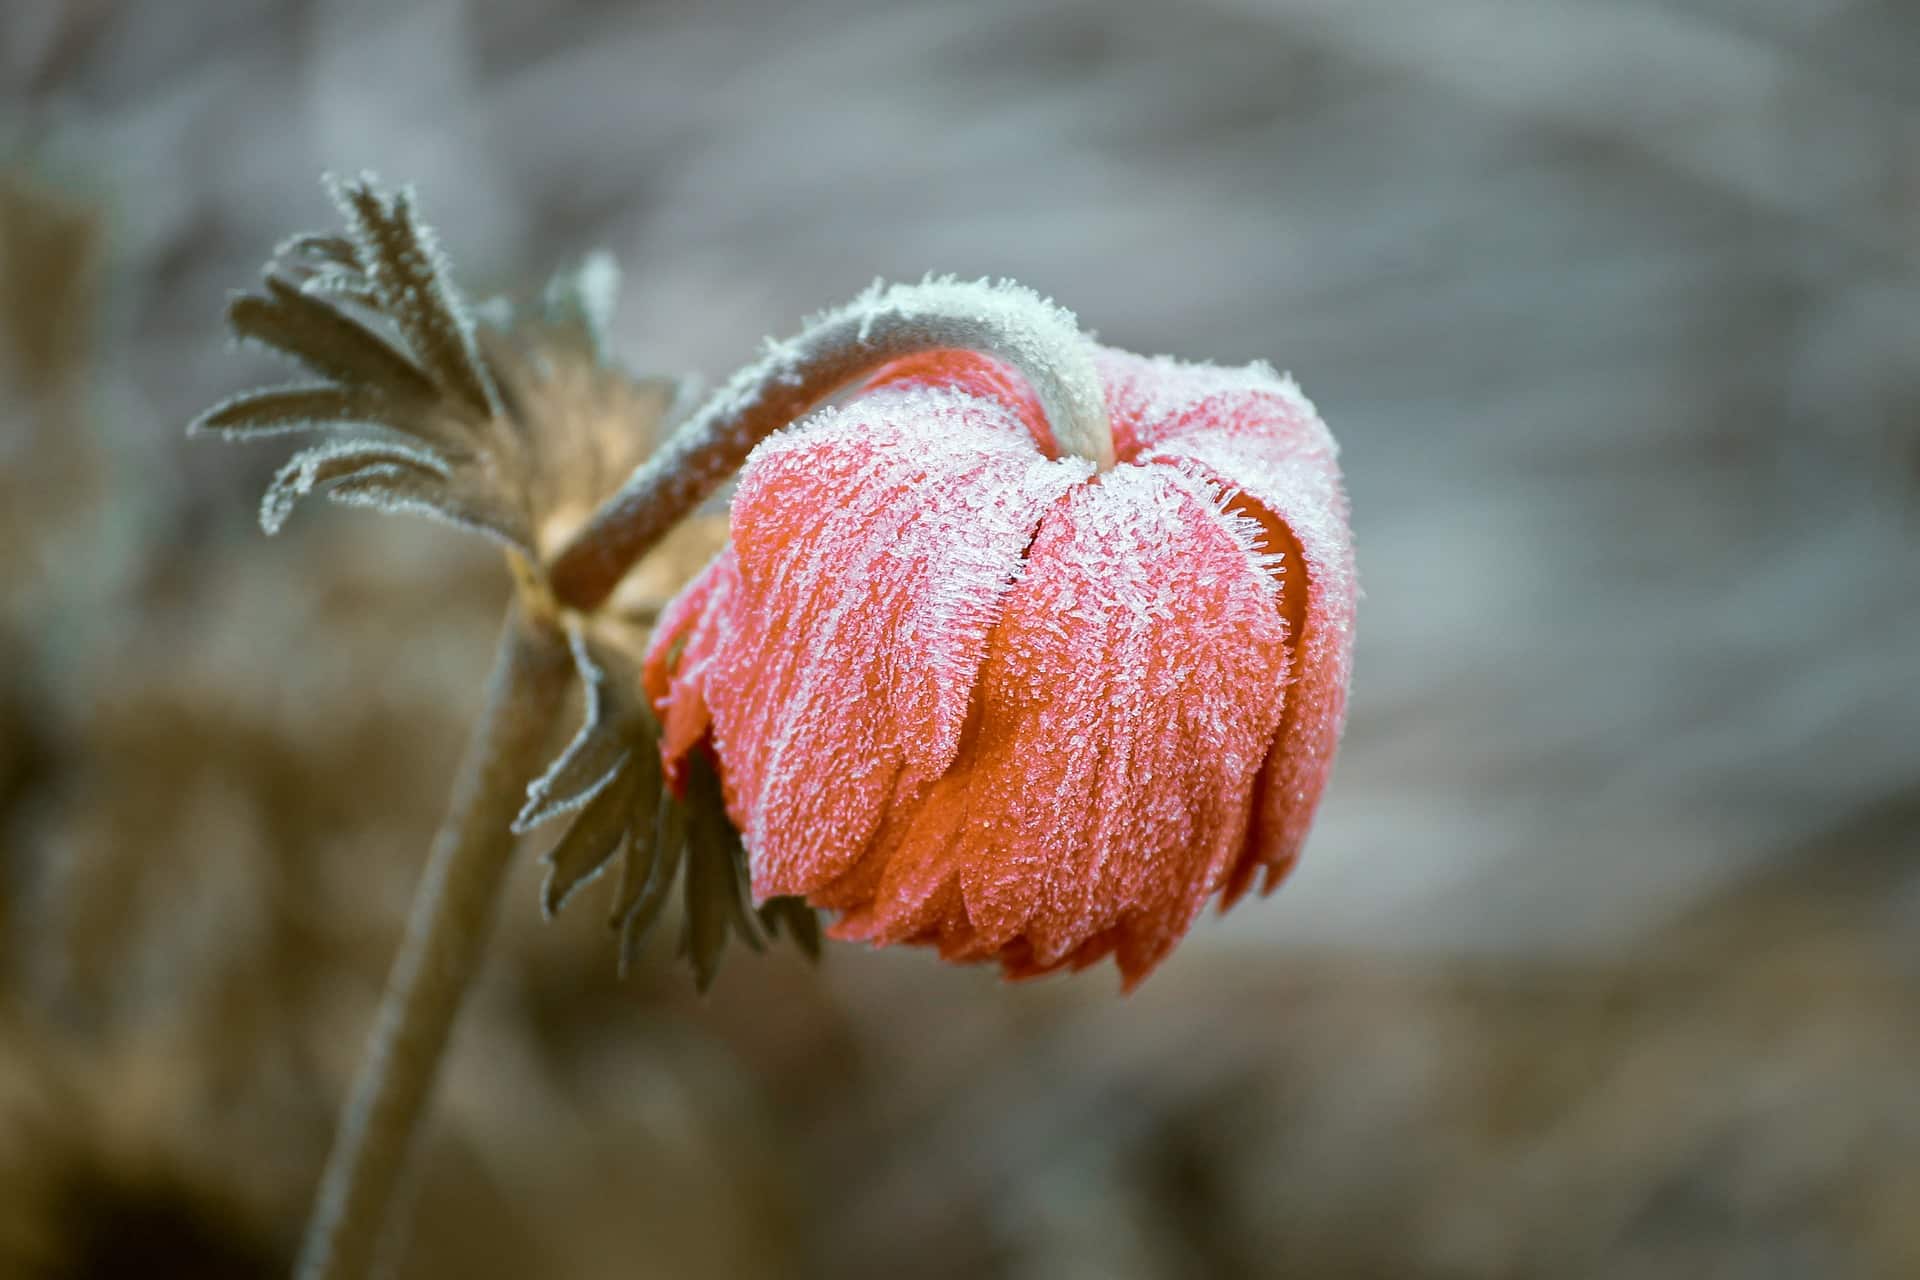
[[972, 694]]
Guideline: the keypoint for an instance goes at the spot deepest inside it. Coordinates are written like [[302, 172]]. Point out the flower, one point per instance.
[[971, 694]]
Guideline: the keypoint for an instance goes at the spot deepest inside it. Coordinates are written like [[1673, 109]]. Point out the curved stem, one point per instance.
[[1041, 340], [447, 930]]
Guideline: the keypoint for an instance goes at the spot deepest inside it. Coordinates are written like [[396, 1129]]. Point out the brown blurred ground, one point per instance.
[[1602, 961]]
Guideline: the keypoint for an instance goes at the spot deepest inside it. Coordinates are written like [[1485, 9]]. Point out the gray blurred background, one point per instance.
[[1602, 959]]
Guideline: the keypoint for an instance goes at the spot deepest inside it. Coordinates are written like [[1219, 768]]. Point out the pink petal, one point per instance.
[[875, 548], [1263, 438], [1106, 777], [977, 375], [680, 658]]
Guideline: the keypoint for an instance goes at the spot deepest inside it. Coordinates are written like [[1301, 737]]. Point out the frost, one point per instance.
[[325, 464]]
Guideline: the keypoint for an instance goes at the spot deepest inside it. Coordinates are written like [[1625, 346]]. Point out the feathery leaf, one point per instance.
[[714, 844], [404, 262], [636, 910], [399, 490], [324, 464], [284, 410], [326, 340], [590, 843]]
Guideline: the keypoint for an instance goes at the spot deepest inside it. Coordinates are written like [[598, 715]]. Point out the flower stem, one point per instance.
[[446, 934], [1041, 340]]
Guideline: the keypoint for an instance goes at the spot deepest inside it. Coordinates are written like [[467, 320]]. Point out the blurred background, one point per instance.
[[1603, 958]]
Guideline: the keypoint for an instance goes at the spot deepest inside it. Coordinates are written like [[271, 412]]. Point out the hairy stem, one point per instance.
[[447, 930], [1039, 339]]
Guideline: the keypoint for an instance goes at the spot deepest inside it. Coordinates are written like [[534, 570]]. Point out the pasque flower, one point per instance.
[[972, 693], [1026, 653]]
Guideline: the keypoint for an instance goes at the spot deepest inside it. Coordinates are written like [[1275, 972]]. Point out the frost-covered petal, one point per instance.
[[875, 547], [1266, 444], [1250, 429], [976, 375], [680, 657], [1151, 400], [1155, 401], [1104, 785]]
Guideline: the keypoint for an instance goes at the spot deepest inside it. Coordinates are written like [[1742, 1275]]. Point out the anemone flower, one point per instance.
[[1025, 654], [972, 692]]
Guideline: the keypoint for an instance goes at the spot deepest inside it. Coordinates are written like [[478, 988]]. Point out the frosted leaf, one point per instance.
[[590, 842], [647, 882], [714, 885], [326, 340], [609, 774], [518, 431], [609, 781], [285, 410], [795, 919], [410, 274], [403, 491], [603, 746], [288, 410], [316, 467]]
